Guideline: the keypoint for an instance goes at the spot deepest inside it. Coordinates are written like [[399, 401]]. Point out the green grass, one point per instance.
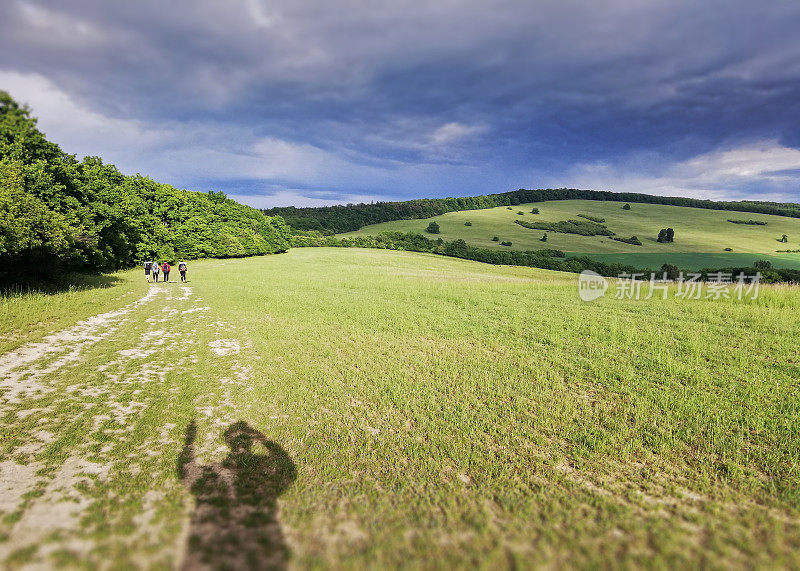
[[27, 314], [703, 233], [432, 412]]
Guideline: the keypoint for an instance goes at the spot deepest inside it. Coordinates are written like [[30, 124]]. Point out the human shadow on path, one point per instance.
[[234, 524]]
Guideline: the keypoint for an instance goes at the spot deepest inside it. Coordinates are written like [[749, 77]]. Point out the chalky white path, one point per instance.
[[38, 372]]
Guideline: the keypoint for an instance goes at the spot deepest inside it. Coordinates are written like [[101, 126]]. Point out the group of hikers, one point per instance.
[[154, 268]]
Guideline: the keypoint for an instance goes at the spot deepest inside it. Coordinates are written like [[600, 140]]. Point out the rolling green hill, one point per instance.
[[701, 235]]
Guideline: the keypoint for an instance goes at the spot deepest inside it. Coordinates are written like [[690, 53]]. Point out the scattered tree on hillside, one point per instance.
[[433, 228], [467, 223], [534, 211], [784, 239], [762, 264], [666, 235], [543, 238], [495, 239], [626, 206]]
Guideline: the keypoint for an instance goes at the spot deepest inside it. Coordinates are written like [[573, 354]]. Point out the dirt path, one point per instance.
[[93, 420]]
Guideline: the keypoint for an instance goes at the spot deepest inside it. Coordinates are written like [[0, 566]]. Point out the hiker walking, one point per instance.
[[182, 270], [155, 269], [166, 269], [147, 267]]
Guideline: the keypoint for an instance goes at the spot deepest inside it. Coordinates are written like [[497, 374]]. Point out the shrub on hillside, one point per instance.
[[748, 222], [632, 240], [666, 235], [543, 238], [626, 206], [580, 227], [505, 243], [433, 228], [534, 211], [495, 239], [467, 223]]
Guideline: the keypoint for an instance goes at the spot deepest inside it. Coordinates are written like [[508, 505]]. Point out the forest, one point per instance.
[[60, 214]]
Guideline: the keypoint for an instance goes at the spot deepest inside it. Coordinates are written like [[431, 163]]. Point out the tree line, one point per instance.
[[61, 214], [337, 219], [549, 259]]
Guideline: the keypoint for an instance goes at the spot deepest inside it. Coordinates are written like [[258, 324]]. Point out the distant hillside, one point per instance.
[[704, 238], [58, 213], [338, 219]]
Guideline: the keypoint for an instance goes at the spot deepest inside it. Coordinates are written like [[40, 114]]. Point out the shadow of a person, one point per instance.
[[234, 524]]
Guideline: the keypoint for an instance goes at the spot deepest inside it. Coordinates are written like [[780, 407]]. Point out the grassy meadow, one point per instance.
[[408, 410], [701, 236]]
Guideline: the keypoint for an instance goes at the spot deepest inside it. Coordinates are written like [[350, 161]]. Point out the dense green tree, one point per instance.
[[433, 228], [666, 235], [58, 213], [670, 270]]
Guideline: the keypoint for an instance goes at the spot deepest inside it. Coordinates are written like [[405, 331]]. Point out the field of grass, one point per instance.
[[702, 233], [371, 408]]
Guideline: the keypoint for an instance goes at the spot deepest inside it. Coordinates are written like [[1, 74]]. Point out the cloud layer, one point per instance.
[[312, 101]]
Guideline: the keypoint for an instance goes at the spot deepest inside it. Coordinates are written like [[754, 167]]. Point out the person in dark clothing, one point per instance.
[[182, 270], [165, 270], [147, 267]]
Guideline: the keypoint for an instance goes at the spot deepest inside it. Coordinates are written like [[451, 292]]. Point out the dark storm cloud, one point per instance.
[[401, 99]]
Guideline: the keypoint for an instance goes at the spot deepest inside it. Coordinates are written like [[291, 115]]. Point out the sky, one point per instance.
[[312, 102]]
